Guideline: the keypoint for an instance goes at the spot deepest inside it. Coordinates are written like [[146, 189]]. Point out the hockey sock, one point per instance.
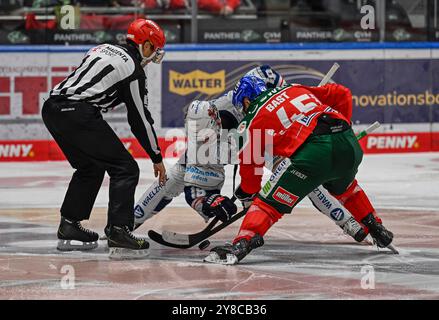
[[357, 202], [259, 218]]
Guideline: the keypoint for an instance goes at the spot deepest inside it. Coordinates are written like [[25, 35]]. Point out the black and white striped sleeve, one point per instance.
[[139, 118]]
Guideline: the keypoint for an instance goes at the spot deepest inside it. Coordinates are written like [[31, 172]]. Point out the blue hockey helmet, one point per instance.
[[248, 86]]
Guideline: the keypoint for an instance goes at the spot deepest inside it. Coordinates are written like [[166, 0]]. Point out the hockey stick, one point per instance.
[[177, 240], [329, 75], [368, 130], [185, 241]]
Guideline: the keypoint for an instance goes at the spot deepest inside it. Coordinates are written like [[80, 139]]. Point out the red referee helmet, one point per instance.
[[142, 30]]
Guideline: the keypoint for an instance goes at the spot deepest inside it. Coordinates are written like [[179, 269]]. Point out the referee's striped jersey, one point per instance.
[[108, 76]]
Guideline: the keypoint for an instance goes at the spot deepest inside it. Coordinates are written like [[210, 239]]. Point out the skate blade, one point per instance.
[[390, 247], [127, 254], [393, 249], [213, 257], [74, 245], [369, 240]]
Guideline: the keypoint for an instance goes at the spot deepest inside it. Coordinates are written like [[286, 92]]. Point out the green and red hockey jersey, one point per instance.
[[280, 120]]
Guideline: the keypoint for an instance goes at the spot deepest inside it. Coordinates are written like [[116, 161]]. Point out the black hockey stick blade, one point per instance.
[[185, 241], [178, 240], [157, 237]]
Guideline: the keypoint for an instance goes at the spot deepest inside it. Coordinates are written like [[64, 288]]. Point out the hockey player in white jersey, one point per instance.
[[202, 183]]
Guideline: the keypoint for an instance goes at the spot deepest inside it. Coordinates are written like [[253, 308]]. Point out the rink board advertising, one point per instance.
[[401, 93]]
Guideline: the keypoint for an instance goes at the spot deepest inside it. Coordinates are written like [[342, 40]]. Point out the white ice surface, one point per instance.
[[288, 263], [405, 181]]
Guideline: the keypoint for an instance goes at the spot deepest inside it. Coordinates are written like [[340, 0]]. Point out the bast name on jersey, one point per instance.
[[197, 81]]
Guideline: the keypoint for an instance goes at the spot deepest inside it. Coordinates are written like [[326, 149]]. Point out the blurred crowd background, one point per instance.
[[220, 21]]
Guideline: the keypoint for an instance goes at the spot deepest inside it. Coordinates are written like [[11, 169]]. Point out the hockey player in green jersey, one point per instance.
[[308, 126]]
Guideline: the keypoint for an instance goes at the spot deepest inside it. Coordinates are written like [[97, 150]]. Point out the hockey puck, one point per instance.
[[203, 245]]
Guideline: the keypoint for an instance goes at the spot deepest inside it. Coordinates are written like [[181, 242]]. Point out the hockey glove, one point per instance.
[[219, 206]]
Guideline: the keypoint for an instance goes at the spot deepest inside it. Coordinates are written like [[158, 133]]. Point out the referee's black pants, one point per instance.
[[92, 148]]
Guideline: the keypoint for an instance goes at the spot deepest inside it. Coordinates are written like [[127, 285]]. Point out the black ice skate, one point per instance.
[[73, 236], [232, 254], [137, 225], [379, 233], [354, 229], [107, 230], [106, 233], [124, 245]]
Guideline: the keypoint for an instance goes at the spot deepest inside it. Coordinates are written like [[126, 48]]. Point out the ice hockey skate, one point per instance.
[[231, 254], [381, 236], [352, 228], [124, 245], [73, 236]]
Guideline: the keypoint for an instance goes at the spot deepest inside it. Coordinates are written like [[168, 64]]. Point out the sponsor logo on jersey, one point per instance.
[[401, 142], [299, 174], [337, 214], [306, 120], [16, 151], [112, 52], [138, 212], [266, 188], [197, 171], [197, 81], [329, 109], [285, 197], [279, 170], [151, 195], [195, 177], [200, 175]]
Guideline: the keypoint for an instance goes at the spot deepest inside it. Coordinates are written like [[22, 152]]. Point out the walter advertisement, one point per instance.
[[394, 92]]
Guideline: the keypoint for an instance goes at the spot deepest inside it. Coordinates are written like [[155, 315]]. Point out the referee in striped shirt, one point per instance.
[[109, 76]]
